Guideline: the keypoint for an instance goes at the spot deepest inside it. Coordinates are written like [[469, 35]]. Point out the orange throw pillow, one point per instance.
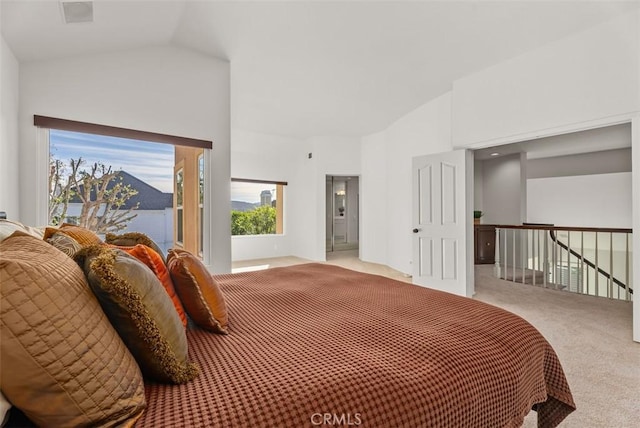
[[154, 261], [199, 293], [82, 235]]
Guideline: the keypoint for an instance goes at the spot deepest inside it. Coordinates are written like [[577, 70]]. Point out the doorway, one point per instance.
[[342, 213]]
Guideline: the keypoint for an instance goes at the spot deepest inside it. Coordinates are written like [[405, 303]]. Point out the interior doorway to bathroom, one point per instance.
[[342, 213]]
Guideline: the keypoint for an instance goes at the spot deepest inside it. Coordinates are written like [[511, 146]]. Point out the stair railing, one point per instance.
[[585, 260]]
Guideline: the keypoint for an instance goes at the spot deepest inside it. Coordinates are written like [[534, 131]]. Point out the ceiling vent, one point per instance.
[[77, 11]]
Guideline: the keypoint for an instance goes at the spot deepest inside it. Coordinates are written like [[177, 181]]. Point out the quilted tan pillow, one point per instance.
[[141, 311], [63, 364], [82, 235], [200, 294]]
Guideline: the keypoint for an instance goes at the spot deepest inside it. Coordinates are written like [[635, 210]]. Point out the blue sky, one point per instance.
[[250, 192], [150, 162]]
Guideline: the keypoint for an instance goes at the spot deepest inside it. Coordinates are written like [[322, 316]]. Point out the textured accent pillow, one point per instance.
[[7, 227], [130, 239], [198, 291], [141, 311], [154, 262], [64, 243], [82, 235], [63, 364]]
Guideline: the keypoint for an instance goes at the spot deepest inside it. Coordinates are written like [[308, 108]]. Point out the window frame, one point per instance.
[[201, 196], [280, 223], [43, 124], [115, 131], [178, 207]]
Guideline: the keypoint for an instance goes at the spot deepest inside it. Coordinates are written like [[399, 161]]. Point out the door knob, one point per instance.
[[416, 230]]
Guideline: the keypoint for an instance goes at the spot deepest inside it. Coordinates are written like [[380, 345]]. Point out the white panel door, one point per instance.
[[443, 222]]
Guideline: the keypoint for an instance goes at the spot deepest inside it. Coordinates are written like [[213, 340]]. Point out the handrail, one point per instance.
[[557, 248], [555, 239], [567, 228]]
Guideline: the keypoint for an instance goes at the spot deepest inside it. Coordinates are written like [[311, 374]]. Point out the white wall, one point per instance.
[[387, 185], [164, 89], [601, 162], [9, 82], [501, 190], [373, 199], [330, 156], [352, 212], [588, 189], [267, 157], [259, 247], [635, 152], [478, 185], [602, 200], [328, 217], [582, 78]]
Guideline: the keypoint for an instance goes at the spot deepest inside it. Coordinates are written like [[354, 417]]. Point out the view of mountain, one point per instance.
[[243, 206]]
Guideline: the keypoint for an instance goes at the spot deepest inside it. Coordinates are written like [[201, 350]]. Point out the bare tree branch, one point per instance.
[[98, 188]]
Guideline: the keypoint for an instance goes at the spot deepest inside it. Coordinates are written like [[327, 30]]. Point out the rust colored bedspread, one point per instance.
[[318, 345]]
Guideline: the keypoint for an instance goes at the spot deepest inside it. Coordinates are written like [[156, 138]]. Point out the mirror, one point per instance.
[[339, 195]]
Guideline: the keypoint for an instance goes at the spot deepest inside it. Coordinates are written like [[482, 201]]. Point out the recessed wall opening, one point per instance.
[[557, 211], [342, 213]]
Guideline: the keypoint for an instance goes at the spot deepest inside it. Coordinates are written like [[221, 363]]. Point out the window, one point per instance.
[[257, 207], [110, 184], [111, 179]]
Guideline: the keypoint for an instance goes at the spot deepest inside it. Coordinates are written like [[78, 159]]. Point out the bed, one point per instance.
[[319, 345]]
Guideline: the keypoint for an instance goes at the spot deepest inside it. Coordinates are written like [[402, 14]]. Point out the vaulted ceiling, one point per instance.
[[301, 68]]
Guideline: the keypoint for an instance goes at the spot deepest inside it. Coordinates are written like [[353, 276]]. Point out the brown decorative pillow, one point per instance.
[[63, 364], [64, 243], [141, 311], [199, 293], [130, 239], [154, 261], [82, 235]]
